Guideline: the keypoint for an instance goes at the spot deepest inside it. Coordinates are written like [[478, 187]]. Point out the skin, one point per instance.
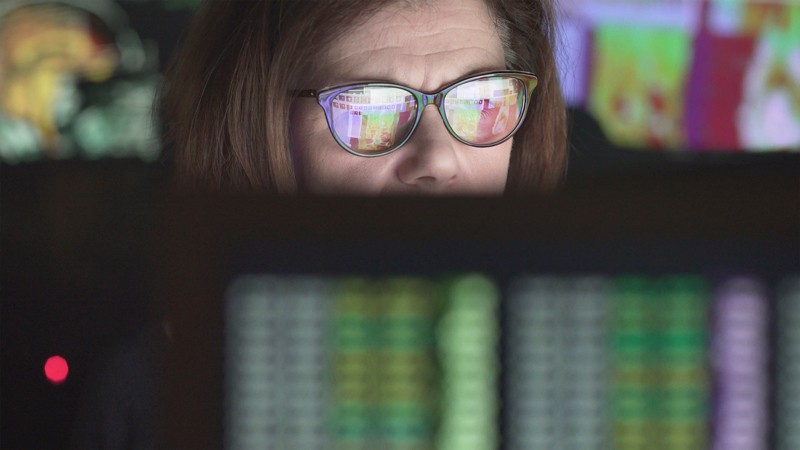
[[425, 47]]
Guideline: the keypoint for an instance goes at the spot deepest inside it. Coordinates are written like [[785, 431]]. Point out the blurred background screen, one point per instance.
[[78, 77], [686, 74]]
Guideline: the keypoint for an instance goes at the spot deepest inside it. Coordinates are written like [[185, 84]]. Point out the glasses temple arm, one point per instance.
[[312, 93]]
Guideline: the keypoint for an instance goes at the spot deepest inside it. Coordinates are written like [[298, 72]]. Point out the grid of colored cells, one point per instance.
[[356, 363], [555, 362]]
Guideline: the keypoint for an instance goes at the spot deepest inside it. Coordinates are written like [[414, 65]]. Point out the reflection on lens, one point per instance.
[[485, 111], [373, 120]]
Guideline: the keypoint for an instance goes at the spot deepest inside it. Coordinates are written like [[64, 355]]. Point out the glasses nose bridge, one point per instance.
[[431, 99]]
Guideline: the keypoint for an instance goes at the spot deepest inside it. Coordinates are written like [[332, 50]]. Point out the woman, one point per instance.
[[272, 95]]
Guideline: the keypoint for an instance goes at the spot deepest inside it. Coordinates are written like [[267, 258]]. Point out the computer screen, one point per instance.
[[713, 75], [591, 362], [567, 322]]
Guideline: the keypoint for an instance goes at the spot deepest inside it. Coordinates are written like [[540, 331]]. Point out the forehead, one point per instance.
[[423, 46]]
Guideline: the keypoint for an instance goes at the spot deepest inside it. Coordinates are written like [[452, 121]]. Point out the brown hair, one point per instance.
[[226, 104]]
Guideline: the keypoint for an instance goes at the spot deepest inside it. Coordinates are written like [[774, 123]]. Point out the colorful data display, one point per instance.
[[360, 364], [556, 362], [624, 363]]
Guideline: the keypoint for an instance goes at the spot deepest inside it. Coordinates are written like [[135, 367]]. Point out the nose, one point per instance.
[[429, 159]]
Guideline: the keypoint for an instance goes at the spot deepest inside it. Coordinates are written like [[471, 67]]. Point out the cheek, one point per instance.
[[310, 138], [489, 167]]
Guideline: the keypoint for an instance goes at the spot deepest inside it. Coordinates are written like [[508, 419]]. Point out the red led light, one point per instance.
[[56, 369]]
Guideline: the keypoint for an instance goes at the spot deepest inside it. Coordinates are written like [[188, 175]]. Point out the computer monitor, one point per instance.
[[610, 317]]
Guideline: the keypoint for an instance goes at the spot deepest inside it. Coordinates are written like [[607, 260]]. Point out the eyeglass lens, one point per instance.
[[371, 120]]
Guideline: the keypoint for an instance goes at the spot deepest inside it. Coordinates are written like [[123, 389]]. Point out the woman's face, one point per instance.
[[424, 48]]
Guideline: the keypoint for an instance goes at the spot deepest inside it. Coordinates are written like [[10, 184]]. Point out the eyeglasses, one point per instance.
[[374, 119]]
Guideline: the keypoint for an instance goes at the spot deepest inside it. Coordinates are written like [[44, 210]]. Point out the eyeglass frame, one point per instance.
[[326, 95]]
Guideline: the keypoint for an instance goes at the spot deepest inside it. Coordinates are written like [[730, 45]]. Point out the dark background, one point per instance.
[[83, 242]]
